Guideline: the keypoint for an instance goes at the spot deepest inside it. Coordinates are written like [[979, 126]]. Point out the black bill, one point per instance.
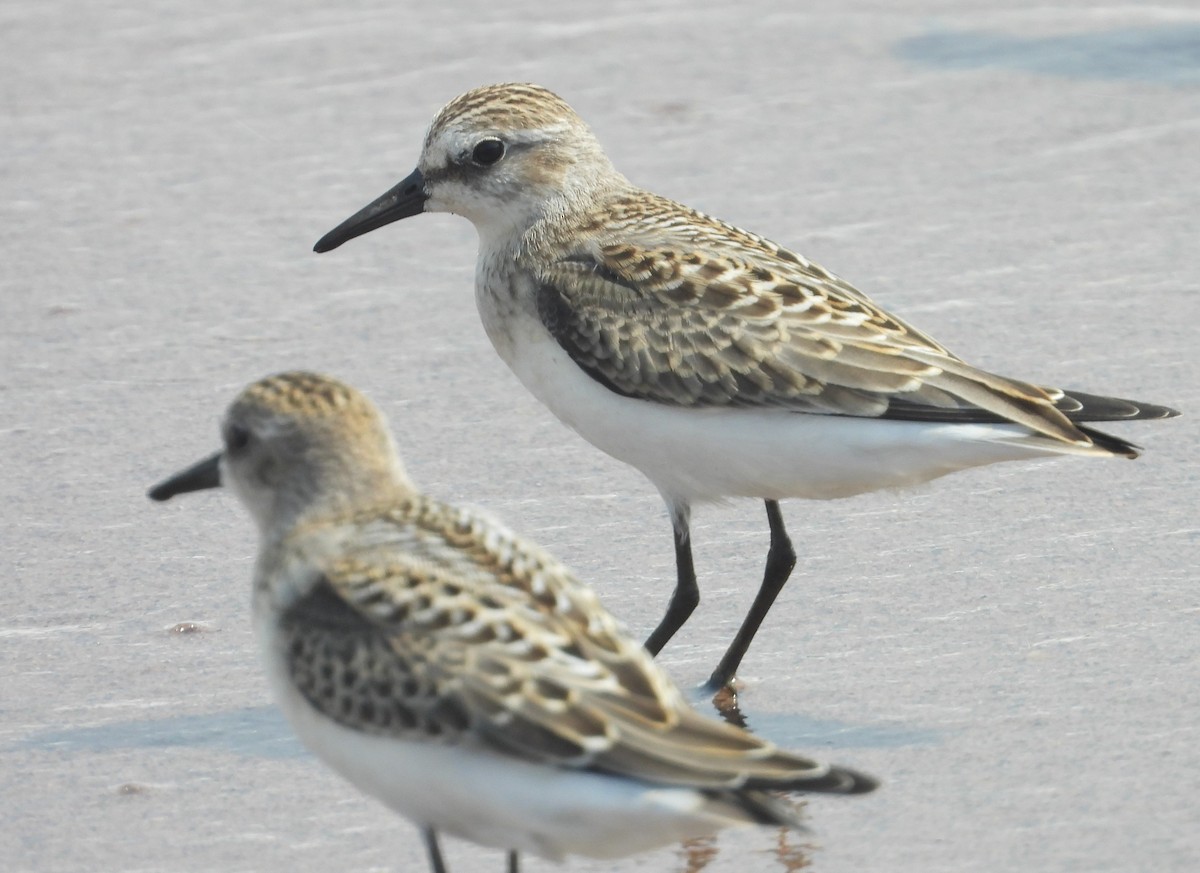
[[404, 201], [198, 477]]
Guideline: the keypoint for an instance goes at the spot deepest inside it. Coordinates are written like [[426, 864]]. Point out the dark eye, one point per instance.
[[236, 438], [487, 152]]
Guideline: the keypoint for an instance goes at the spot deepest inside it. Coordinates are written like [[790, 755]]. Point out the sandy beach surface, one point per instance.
[[1015, 651]]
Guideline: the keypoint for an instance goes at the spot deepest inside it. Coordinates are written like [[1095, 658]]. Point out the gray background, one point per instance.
[[1014, 650]]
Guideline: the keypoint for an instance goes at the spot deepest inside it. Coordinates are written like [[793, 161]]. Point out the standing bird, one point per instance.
[[456, 672], [715, 361]]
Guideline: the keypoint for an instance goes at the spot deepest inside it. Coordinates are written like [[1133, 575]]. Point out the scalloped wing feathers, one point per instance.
[[439, 623], [647, 311]]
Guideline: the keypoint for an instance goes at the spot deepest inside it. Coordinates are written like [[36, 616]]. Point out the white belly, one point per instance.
[[708, 454], [494, 800]]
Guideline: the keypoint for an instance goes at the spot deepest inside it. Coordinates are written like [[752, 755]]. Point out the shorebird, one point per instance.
[[716, 362], [457, 672]]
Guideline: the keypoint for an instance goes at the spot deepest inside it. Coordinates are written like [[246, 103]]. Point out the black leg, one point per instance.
[[436, 864], [687, 593], [780, 560], [514, 864]]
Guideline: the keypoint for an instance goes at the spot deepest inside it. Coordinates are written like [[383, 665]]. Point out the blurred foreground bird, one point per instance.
[[457, 672]]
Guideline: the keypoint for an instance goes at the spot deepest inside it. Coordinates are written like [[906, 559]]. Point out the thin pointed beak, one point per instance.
[[404, 201], [198, 477]]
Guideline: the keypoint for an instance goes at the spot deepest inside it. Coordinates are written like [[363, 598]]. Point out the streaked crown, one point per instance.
[[507, 107], [299, 439], [303, 395]]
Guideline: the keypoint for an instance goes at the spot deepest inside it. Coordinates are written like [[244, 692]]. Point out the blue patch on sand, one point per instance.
[[804, 734], [1166, 55], [258, 731]]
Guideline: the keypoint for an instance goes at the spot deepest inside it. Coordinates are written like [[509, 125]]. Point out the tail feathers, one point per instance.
[[1111, 443], [767, 809], [1075, 406], [1078, 406]]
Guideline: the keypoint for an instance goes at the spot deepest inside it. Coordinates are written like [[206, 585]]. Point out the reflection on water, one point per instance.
[[789, 850], [698, 853], [1165, 55], [801, 733], [792, 855]]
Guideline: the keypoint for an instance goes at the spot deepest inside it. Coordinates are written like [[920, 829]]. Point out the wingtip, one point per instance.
[[854, 782], [834, 780], [1079, 406], [1168, 412], [841, 780]]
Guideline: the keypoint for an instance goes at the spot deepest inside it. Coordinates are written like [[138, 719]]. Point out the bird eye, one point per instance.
[[236, 438], [487, 152]]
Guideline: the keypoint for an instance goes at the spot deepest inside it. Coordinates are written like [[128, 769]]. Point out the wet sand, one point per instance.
[[1013, 650]]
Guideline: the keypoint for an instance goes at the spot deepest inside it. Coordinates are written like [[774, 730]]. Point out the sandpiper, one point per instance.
[[457, 672], [717, 362]]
